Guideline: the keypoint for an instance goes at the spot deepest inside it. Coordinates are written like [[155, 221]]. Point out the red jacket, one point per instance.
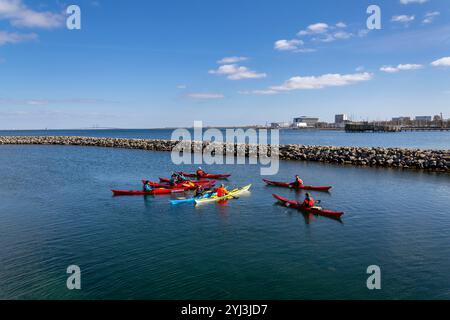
[[221, 192], [298, 182], [200, 173], [308, 203]]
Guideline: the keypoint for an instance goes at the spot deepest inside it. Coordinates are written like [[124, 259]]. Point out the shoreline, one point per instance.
[[400, 158]]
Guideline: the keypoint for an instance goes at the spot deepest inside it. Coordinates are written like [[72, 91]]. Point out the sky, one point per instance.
[[144, 64]]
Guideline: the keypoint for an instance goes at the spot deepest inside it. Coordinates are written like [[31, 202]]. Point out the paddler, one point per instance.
[[199, 191], [221, 191], [147, 186], [297, 183], [180, 177], [200, 173], [309, 202], [173, 179]]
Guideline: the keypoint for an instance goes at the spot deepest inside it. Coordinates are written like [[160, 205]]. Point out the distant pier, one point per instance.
[[371, 127], [425, 129], [374, 127]]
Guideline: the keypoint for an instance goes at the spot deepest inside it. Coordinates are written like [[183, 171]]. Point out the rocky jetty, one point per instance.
[[428, 160]]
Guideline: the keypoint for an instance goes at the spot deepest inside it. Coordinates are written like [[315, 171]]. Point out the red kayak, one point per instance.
[[164, 184], [206, 176], [289, 185], [314, 210], [144, 193]]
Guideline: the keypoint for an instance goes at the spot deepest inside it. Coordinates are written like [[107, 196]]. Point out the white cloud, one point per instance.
[[360, 68], [342, 35], [322, 32], [401, 67], [316, 82], [323, 81], [443, 62], [19, 15], [235, 72], [316, 28], [44, 102], [206, 96], [181, 86], [325, 38], [260, 92], [412, 1], [288, 45], [403, 18], [228, 60], [430, 16], [12, 37], [363, 33]]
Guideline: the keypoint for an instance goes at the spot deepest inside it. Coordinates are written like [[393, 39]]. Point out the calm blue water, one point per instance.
[[422, 140], [56, 209]]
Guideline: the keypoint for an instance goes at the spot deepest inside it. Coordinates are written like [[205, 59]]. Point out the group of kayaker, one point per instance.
[[178, 178]]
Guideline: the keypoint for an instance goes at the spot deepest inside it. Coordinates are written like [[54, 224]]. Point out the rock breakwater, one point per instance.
[[428, 160]]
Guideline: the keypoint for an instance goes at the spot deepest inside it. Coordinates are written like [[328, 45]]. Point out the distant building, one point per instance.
[[300, 125], [340, 118], [423, 118], [310, 122], [280, 125], [401, 119]]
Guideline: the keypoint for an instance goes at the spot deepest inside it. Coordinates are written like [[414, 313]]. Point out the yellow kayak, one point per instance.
[[233, 193]]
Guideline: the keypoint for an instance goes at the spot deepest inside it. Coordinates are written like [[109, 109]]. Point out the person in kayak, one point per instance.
[[199, 192], [309, 202], [180, 177], [221, 191], [173, 179], [200, 173], [297, 183], [147, 186]]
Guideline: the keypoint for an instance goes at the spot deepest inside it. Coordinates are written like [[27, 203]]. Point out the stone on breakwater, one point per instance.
[[429, 160]]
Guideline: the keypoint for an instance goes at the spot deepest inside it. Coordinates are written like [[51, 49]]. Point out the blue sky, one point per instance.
[[141, 64]]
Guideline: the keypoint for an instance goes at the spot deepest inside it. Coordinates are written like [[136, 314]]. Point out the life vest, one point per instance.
[[309, 203], [200, 173], [221, 192]]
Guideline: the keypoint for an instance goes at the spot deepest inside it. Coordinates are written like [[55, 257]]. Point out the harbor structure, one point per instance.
[[304, 121]]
